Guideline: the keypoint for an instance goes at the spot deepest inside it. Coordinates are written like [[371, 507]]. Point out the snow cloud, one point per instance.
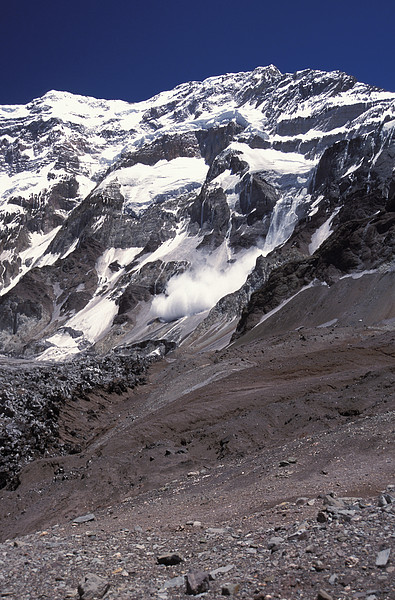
[[200, 288]]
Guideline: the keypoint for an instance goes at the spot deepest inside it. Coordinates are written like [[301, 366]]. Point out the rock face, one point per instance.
[[117, 219]]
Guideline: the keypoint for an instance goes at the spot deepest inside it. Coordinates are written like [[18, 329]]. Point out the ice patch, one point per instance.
[[122, 256], [389, 125], [181, 245], [284, 302], [283, 220], [141, 185], [353, 168], [322, 233], [268, 159], [315, 205], [359, 274], [63, 346], [328, 323], [228, 182], [95, 319], [31, 257]]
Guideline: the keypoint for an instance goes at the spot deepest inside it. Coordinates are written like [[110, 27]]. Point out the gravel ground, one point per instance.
[[238, 468], [327, 547]]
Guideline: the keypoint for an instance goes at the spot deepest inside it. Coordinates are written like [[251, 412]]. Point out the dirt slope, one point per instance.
[[324, 396]]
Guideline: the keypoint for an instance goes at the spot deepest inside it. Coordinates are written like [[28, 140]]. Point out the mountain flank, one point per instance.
[[197, 327]]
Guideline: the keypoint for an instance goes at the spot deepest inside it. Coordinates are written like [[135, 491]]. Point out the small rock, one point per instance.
[[220, 571], [351, 561], [169, 559], [382, 558], [335, 502], [301, 534], [318, 565], [174, 582], [230, 589], [274, 543], [196, 524], [323, 595], [90, 534], [197, 582], [322, 517], [92, 586], [217, 530], [301, 501], [346, 515], [85, 518]]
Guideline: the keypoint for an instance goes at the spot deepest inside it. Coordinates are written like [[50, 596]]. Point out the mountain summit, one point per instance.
[[194, 215]]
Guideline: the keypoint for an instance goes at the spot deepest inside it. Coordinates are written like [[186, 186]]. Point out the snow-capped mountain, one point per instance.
[[172, 217]]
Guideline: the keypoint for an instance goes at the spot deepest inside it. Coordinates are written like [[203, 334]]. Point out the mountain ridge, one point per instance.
[[202, 177]]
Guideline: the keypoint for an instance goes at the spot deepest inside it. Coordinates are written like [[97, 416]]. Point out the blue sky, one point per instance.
[[134, 49]]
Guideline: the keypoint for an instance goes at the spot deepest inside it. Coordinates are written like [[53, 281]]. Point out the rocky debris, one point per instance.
[[386, 499], [337, 560], [331, 500], [32, 397]]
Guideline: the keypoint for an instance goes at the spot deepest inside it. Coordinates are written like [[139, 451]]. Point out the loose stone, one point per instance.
[[322, 517], [382, 558], [220, 571], [169, 559], [85, 518], [174, 582], [197, 582], [274, 543], [92, 586], [229, 589]]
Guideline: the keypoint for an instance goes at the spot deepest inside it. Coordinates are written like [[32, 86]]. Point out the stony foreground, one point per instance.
[[315, 548], [262, 472]]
